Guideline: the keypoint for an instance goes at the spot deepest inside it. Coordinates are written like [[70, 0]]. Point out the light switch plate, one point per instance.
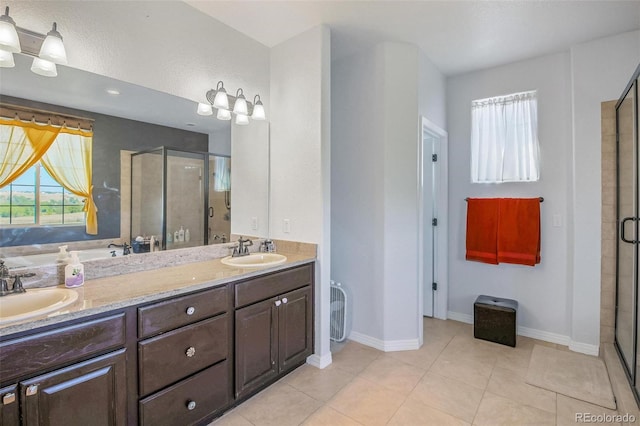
[[557, 220], [286, 226], [254, 223]]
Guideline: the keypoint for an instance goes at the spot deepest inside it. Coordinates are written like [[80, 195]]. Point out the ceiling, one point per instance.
[[458, 36]]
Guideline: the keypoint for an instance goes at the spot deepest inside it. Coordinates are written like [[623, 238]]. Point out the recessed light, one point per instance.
[[113, 91], [191, 124]]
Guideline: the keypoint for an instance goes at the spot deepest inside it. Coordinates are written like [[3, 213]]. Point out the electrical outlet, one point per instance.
[[254, 223], [286, 226]]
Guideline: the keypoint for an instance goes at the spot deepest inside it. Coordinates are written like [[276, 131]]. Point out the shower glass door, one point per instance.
[[627, 219]]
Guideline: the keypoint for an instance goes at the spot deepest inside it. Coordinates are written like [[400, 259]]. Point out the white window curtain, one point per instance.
[[504, 139]]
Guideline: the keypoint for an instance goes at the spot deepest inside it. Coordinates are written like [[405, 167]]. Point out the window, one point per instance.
[[504, 139], [35, 198]]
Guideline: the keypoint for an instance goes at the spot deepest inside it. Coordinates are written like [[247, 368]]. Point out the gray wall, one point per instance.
[[110, 136]]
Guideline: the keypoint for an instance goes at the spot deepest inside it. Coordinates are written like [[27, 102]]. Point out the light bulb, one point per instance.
[[258, 109], [221, 100], [52, 48], [204, 109], [242, 119], [223, 114], [240, 107], [9, 40], [6, 59], [44, 68]]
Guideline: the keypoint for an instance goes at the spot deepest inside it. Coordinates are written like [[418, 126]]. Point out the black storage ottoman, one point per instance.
[[494, 319]]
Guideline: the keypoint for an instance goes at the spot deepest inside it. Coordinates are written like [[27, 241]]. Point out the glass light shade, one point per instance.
[[258, 111], [223, 114], [240, 107], [204, 109], [9, 40], [242, 119], [221, 101], [44, 68], [53, 49], [6, 59]]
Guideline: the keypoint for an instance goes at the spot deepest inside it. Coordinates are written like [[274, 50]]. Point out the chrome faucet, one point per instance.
[[243, 247], [126, 249], [17, 281]]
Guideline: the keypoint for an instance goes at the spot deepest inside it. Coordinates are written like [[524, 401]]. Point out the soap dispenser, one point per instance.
[[62, 255], [187, 235], [181, 234], [74, 271]]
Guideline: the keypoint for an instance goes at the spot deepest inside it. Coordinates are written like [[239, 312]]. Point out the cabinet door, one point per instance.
[[256, 345], [89, 393], [295, 328], [9, 413]]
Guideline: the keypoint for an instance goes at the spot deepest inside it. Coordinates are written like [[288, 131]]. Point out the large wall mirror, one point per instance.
[[128, 119]]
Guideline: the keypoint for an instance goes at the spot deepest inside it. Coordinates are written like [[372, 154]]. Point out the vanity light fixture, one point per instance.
[[204, 109], [6, 59], [52, 47], [225, 105], [47, 50], [258, 109], [240, 106], [9, 40], [223, 114], [242, 119], [221, 100], [44, 68]]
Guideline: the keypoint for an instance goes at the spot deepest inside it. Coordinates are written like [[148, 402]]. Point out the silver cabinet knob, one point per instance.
[[191, 351], [191, 405], [284, 300], [278, 303], [32, 390], [191, 310]]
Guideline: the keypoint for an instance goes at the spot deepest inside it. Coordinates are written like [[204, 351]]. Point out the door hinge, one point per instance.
[[434, 157], [434, 222], [434, 286]]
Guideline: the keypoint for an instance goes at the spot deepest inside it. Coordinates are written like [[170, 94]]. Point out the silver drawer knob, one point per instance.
[[278, 303], [191, 351], [191, 310], [191, 405], [284, 300]]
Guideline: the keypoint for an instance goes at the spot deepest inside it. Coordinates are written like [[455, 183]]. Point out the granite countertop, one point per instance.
[[120, 291]]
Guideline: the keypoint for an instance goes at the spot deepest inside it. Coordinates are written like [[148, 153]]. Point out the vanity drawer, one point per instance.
[[207, 392], [167, 358], [272, 285], [39, 352], [174, 313]]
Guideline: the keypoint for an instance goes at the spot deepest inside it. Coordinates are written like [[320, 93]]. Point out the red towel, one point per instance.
[[482, 230], [519, 231]]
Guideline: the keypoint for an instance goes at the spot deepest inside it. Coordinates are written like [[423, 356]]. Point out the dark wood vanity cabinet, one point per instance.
[[275, 334], [172, 362], [72, 375], [183, 368]]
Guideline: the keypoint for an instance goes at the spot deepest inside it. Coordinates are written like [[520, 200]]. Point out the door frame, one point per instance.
[[441, 264]]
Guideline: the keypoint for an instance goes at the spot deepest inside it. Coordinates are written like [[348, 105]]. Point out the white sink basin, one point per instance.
[[255, 260], [35, 302]]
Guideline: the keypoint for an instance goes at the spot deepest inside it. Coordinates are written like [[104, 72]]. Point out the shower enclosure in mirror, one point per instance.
[[179, 199], [627, 219]]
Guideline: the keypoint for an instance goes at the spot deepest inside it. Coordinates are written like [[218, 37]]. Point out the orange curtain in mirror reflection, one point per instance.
[[65, 153]]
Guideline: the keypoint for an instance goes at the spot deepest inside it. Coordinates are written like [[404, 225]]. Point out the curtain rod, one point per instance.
[[541, 199], [11, 112]]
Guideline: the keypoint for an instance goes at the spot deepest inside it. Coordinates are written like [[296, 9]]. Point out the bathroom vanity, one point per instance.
[[161, 354]]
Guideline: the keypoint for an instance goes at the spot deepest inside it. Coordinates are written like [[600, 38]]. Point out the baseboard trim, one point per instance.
[[546, 336], [385, 345], [320, 361]]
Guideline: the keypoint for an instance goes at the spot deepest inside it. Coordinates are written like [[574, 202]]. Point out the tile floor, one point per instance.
[[453, 379]]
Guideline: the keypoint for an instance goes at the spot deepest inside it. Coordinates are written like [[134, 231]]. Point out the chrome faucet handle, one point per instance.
[[4, 271], [17, 284], [4, 287]]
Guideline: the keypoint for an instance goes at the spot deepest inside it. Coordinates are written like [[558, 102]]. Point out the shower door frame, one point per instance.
[[632, 372], [163, 150]]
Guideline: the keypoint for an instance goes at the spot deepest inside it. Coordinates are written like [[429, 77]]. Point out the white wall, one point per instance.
[[374, 186], [166, 46], [300, 158], [544, 290], [600, 70], [432, 97]]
